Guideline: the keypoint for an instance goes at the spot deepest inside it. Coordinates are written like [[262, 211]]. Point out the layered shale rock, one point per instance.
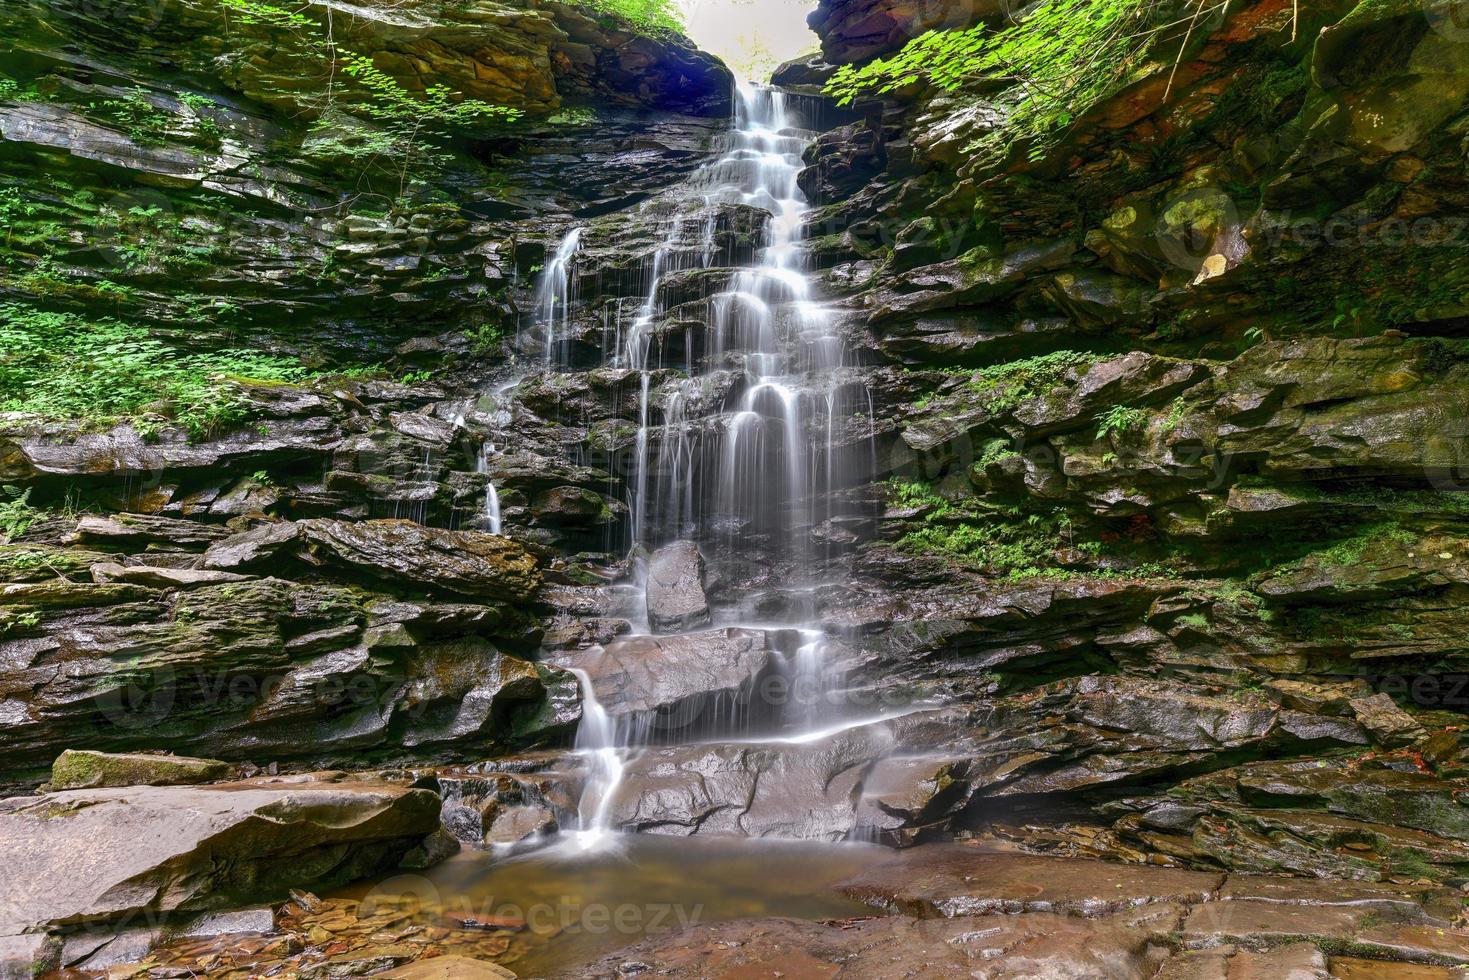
[[104, 859]]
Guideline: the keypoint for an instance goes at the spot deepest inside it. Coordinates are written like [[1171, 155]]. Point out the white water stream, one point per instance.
[[752, 468]]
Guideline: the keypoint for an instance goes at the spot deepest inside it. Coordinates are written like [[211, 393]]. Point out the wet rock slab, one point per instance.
[[676, 676], [957, 880], [103, 855], [1056, 947]]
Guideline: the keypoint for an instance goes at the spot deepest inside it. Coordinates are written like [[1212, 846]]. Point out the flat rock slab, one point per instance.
[[466, 563], [1055, 947], [450, 968], [956, 880], [1297, 961], [1355, 968], [85, 769], [108, 855], [157, 577], [1254, 923]]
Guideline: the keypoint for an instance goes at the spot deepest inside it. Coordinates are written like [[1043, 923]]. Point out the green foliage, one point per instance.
[[137, 115], [256, 12], [1005, 386], [573, 116], [655, 17], [1119, 420], [911, 495], [16, 513], [205, 124], [1061, 58], [486, 337], [1015, 545], [59, 365], [410, 126], [1176, 414], [995, 451], [12, 90]]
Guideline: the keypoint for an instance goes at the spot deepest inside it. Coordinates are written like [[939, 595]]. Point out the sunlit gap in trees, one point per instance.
[[752, 36]]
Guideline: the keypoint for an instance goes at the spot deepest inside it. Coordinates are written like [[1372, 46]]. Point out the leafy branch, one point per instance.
[[1063, 57]]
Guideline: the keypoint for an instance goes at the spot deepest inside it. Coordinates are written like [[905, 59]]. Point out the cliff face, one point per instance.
[[1173, 417], [238, 151], [185, 178], [1169, 420]]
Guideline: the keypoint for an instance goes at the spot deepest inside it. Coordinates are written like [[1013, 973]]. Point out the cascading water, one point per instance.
[[493, 521], [555, 297], [597, 739], [739, 453]]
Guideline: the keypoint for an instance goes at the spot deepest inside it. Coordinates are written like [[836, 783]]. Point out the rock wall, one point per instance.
[[1170, 419], [310, 582], [1168, 424]]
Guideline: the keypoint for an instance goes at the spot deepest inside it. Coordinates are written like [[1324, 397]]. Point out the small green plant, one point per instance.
[[1176, 414], [486, 337], [16, 513], [205, 124], [995, 451], [135, 112], [1119, 421]]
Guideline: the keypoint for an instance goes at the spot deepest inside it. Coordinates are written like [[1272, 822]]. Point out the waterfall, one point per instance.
[[597, 739], [742, 454], [555, 296], [492, 496]]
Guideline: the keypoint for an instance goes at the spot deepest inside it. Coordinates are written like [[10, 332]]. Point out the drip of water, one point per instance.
[[597, 740]]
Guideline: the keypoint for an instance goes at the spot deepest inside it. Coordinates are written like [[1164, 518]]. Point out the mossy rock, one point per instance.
[[84, 769]]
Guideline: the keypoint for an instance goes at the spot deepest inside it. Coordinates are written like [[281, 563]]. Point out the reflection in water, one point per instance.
[[576, 905]]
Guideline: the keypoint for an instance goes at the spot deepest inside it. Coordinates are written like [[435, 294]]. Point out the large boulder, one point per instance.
[[102, 858], [676, 599], [860, 30], [678, 681], [81, 769]]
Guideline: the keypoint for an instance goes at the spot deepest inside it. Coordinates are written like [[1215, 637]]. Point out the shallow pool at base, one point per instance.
[[577, 904]]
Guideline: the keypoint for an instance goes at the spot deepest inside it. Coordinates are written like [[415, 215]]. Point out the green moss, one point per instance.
[[1008, 542], [1005, 386]]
